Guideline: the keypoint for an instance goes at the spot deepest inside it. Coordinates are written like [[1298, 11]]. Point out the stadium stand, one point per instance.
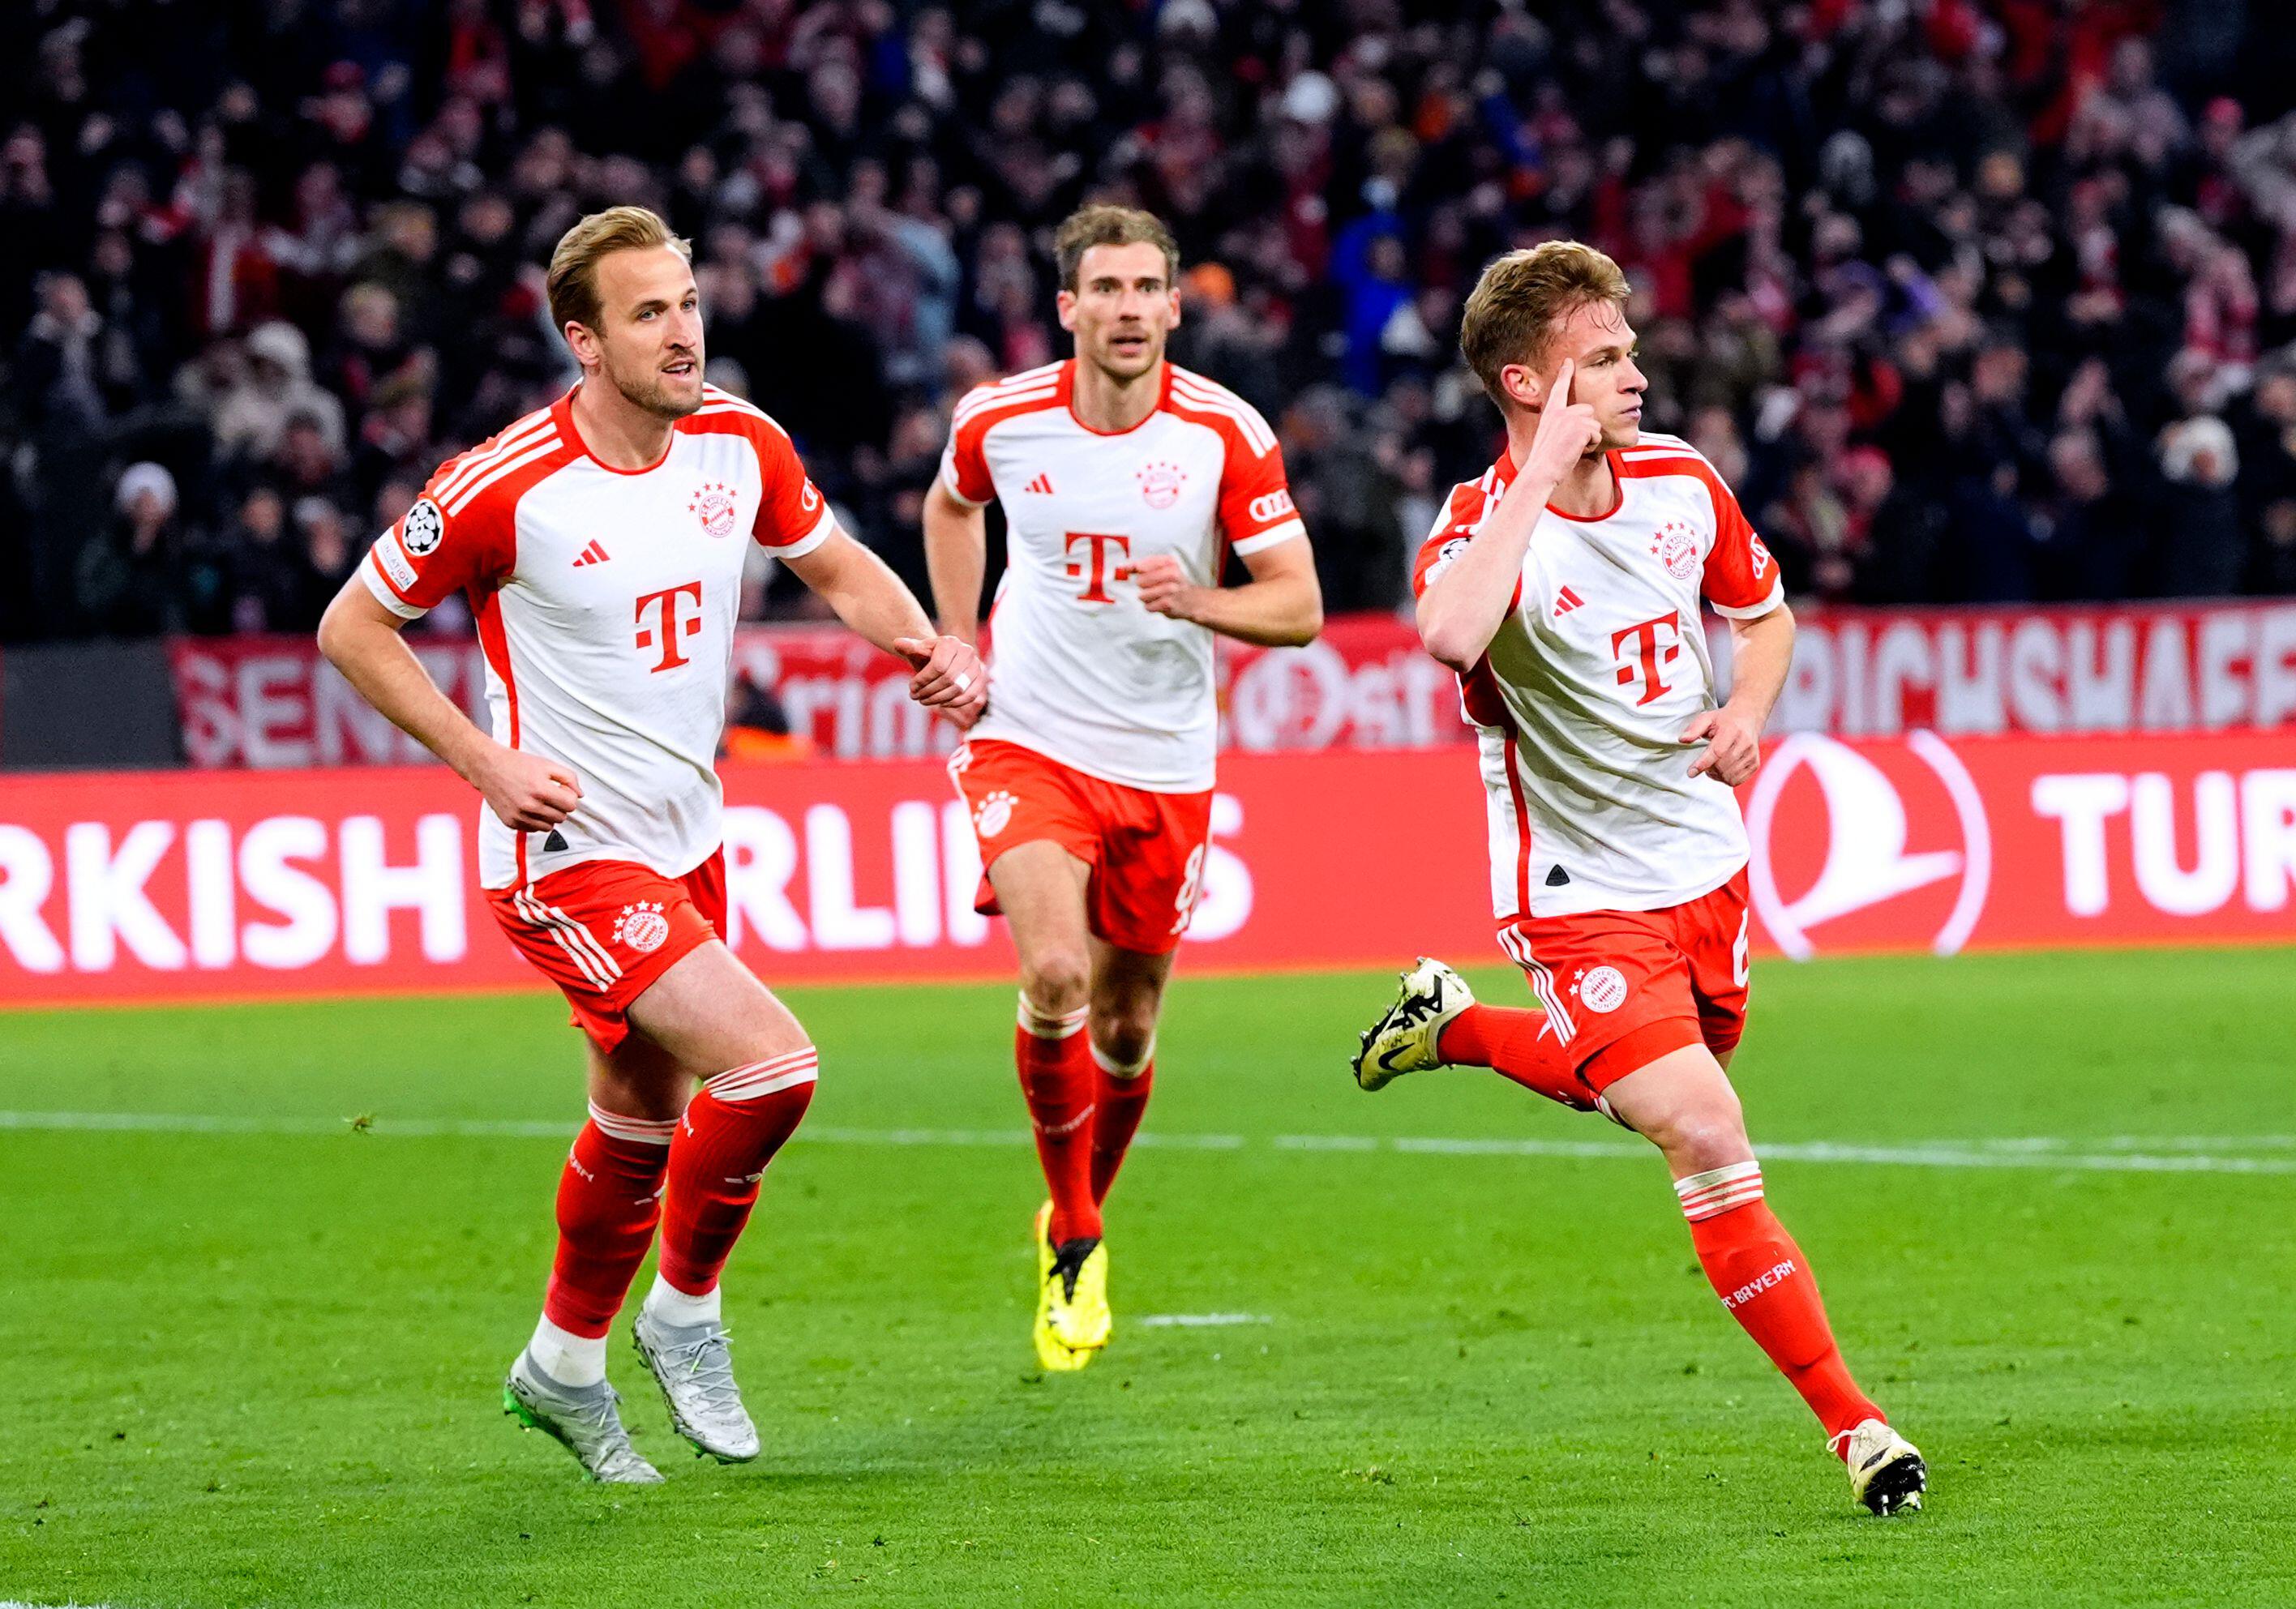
[[1975, 300]]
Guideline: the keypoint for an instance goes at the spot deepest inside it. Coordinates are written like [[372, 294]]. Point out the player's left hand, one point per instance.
[[1165, 588], [946, 674], [1733, 746]]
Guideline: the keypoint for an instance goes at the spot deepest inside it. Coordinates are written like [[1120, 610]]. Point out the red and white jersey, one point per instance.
[[1583, 695], [1080, 670], [605, 602]]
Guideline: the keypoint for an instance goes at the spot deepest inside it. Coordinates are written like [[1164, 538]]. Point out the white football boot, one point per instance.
[[693, 1364], [584, 1419], [1886, 1472], [1404, 1039]]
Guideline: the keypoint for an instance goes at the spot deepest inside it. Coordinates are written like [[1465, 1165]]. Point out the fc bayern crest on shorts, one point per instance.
[[641, 927], [1161, 484], [1602, 989], [1676, 546], [996, 813], [423, 527], [712, 503]]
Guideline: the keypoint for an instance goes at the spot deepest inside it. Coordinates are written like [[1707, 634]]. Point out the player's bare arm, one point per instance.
[[1461, 611], [1282, 605], [527, 793], [1761, 650], [867, 596], [956, 559]]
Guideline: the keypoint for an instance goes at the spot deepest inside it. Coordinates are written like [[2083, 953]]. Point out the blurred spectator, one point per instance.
[[2202, 553], [128, 576], [274, 586], [1983, 301], [251, 420]]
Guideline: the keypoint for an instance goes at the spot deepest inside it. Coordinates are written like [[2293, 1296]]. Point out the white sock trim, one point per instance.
[[1040, 1023], [1124, 1069], [638, 1130], [1716, 1190], [665, 1304], [567, 1358], [761, 1078]]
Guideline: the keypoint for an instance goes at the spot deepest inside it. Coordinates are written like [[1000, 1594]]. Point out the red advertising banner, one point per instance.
[[2064, 668], [273, 702], [268, 702], [220, 886], [2007, 843]]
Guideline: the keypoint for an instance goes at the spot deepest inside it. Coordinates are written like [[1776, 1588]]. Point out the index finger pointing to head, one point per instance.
[[1563, 377]]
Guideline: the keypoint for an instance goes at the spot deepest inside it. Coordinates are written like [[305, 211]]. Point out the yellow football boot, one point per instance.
[[1072, 1321]]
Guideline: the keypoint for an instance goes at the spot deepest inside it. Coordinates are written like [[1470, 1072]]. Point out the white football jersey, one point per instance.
[[605, 602], [1079, 671], [1581, 698]]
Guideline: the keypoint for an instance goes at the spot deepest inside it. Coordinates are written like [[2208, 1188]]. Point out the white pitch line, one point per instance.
[[1199, 1321], [2170, 1154]]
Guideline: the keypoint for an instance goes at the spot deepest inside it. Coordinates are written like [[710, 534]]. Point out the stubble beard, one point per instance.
[[652, 393]]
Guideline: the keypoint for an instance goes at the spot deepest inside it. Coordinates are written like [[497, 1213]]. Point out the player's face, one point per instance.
[[1123, 307], [1600, 341], [651, 345]]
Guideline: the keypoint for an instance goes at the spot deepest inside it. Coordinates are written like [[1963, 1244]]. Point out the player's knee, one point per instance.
[[1125, 1040], [1705, 1131], [1056, 985], [650, 1089]]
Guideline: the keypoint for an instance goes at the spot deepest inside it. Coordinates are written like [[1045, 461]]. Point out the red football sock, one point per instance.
[[609, 1200], [1766, 1282], [728, 1134], [1056, 1076], [1516, 1044], [1120, 1097]]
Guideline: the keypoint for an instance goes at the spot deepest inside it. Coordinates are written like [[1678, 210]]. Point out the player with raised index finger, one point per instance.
[[1564, 585]]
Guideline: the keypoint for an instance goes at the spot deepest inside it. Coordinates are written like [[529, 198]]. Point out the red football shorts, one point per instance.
[[1146, 850], [1622, 988], [604, 930]]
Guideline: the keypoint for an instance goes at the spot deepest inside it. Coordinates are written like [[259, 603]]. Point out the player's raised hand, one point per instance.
[[1165, 588], [527, 793], [947, 675], [1566, 433], [1733, 746]]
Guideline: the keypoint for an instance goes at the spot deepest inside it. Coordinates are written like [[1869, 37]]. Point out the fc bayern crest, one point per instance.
[[712, 503], [1676, 546], [1604, 990], [1161, 484], [423, 526], [641, 927], [995, 814]]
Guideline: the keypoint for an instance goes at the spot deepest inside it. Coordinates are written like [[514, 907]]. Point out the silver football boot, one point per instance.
[[582, 1419], [693, 1364]]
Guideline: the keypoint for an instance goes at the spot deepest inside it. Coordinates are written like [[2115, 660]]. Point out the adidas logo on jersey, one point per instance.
[[1565, 601], [593, 555], [1042, 485]]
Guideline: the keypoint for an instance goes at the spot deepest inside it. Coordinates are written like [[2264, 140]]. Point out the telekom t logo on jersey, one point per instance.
[[670, 621], [1648, 655], [1095, 566]]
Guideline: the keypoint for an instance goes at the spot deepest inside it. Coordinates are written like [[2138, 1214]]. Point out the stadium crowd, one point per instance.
[[1973, 300]]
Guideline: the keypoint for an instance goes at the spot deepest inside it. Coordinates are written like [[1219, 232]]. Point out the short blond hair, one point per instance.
[[574, 265], [1512, 312], [1109, 225]]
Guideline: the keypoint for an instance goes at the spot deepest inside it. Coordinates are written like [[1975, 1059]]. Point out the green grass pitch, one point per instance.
[[256, 1359]]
